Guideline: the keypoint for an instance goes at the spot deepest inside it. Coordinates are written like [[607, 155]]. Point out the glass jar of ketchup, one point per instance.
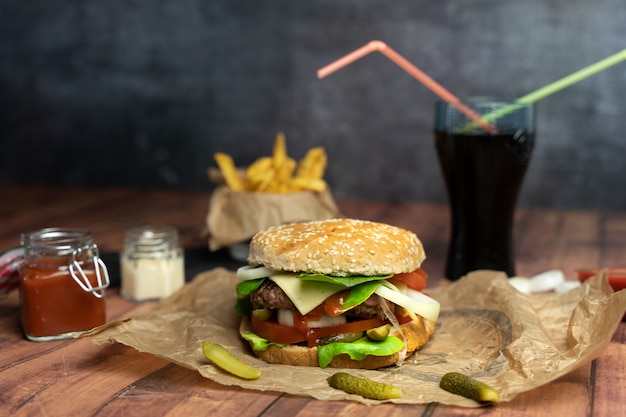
[[62, 283]]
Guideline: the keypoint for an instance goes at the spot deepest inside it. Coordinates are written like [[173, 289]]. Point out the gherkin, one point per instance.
[[469, 387], [364, 387]]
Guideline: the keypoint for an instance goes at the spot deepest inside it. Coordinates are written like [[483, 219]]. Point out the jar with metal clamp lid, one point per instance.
[[152, 263], [62, 283]]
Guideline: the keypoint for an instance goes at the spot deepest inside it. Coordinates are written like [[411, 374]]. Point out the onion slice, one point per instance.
[[250, 272], [285, 317], [396, 330], [546, 281], [327, 321], [414, 301], [521, 284]]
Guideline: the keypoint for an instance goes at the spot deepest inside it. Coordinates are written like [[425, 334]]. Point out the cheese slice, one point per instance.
[[305, 295]]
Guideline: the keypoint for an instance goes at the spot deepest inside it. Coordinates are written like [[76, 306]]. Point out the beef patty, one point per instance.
[[269, 295]]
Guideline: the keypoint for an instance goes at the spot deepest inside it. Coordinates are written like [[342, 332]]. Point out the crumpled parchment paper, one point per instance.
[[486, 329], [235, 216]]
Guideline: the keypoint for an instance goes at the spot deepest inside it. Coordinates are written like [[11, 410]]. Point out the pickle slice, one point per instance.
[[469, 387], [222, 358], [262, 314], [366, 388], [379, 333], [341, 338]]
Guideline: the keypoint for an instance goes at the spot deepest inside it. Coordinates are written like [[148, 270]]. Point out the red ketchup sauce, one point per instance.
[[54, 304], [62, 282]]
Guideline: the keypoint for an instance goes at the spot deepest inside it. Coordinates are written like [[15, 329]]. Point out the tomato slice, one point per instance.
[[403, 319], [415, 280], [276, 332], [314, 334]]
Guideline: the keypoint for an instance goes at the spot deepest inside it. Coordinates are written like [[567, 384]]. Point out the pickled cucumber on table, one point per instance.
[[364, 387]]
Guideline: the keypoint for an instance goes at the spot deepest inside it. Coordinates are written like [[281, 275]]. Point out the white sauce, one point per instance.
[[148, 279]]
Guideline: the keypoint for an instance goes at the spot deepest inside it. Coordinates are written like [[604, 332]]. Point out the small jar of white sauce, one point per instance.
[[152, 263]]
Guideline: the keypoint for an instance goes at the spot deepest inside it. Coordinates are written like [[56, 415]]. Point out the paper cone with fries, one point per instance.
[[273, 190]]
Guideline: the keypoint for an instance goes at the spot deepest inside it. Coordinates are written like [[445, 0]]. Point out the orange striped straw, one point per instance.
[[379, 46]]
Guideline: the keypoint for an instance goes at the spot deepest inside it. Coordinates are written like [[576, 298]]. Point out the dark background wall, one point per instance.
[[142, 93]]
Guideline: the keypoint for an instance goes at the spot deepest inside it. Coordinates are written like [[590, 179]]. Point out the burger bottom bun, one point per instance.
[[415, 333]]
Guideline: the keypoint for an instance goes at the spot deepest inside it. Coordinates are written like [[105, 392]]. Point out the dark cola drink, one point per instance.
[[483, 174]]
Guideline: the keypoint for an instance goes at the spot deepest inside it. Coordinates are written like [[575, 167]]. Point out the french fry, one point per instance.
[[307, 183], [313, 164], [280, 150], [275, 174], [285, 171], [257, 172], [229, 171], [274, 186]]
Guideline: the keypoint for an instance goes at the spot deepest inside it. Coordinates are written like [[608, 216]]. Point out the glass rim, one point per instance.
[[484, 101], [148, 232], [57, 238]]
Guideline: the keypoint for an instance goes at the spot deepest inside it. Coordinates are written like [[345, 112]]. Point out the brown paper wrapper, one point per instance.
[[236, 216], [486, 329]]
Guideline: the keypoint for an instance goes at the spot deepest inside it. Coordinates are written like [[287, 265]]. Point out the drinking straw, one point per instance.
[[573, 78], [553, 87], [379, 46]]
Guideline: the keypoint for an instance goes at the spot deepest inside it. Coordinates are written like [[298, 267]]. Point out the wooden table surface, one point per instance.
[[78, 378]]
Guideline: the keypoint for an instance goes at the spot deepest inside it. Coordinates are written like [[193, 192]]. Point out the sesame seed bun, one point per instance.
[[339, 247]]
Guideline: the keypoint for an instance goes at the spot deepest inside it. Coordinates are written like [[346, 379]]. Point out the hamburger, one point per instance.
[[339, 293]]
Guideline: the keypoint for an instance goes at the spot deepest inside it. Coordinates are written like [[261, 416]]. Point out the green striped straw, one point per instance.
[[552, 88]]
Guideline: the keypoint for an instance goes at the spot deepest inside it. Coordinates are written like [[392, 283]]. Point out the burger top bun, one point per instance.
[[339, 247]]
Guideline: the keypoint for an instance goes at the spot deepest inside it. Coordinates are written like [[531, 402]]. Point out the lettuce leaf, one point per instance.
[[244, 288], [259, 344], [358, 294], [243, 305], [349, 281], [359, 349]]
